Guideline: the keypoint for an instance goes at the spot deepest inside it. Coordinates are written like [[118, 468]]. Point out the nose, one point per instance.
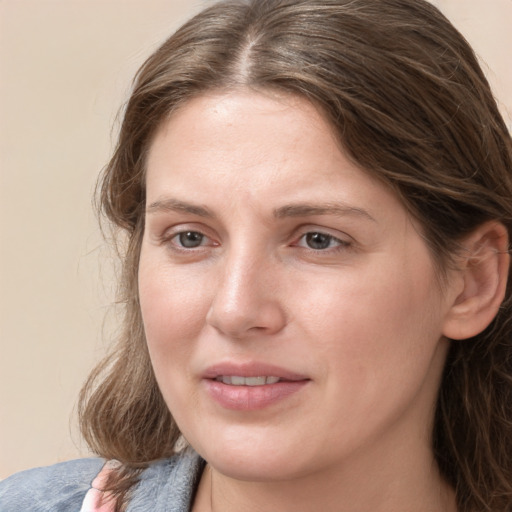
[[246, 302]]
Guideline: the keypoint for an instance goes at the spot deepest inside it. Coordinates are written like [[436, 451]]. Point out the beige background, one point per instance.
[[65, 69]]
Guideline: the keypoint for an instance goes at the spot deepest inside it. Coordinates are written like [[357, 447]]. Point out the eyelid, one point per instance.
[[334, 233], [172, 232], [176, 239], [331, 237], [344, 242]]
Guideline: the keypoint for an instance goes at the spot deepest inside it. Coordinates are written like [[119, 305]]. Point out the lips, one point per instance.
[[251, 386], [251, 369]]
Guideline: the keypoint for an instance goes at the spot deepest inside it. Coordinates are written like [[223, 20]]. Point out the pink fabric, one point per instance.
[[97, 500]]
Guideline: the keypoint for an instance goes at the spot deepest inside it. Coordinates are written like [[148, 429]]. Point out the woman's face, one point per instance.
[[291, 307]]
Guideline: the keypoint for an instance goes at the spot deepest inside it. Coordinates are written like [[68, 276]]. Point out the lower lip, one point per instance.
[[251, 398]]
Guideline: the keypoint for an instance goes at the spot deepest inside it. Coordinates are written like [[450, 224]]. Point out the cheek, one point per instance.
[[380, 349], [173, 307], [169, 298], [173, 310], [383, 327]]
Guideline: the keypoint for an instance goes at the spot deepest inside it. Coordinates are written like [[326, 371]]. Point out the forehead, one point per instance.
[[247, 130], [244, 117], [252, 147]]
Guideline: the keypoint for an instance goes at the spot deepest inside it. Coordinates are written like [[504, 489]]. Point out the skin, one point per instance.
[[358, 311]]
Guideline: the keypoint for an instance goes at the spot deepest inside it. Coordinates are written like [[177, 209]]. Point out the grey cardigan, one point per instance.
[[166, 486]]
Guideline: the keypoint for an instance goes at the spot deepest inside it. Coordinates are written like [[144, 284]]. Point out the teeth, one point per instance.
[[234, 380], [240, 381]]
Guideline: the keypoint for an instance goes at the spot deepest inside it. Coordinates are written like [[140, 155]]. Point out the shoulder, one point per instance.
[[57, 488], [168, 484], [62, 487]]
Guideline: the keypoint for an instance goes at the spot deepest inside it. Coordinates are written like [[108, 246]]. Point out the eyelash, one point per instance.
[[334, 244], [327, 237], [179, 246]]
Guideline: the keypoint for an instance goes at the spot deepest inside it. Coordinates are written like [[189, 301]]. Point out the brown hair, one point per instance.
[[405, 94]]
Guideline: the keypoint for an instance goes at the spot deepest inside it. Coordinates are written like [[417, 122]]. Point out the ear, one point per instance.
[[484, 267]]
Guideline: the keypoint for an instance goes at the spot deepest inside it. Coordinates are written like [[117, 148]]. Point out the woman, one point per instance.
[[316, 203]]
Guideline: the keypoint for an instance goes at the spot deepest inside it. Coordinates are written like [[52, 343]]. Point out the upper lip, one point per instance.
[[251, 369]]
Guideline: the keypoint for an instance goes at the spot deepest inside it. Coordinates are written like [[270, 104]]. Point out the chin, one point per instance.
[[253, 468], [255, 458]]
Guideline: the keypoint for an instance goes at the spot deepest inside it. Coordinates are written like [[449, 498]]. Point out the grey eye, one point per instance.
[[190, 239], [319, 241]]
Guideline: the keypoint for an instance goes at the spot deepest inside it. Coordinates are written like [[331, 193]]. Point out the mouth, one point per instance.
[[252, 386], [250, 374], [237, 380]]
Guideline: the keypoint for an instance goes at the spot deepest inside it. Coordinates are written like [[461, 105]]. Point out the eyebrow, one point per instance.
[[174, 205], [310, 209], [290, 210]]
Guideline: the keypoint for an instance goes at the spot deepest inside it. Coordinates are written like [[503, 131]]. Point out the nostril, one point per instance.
[[261, 317]]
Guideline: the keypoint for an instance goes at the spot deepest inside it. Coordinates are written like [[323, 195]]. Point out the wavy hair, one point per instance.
[[404, 93]]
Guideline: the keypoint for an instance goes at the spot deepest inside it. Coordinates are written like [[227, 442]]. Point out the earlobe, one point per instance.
[[485, 264]]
